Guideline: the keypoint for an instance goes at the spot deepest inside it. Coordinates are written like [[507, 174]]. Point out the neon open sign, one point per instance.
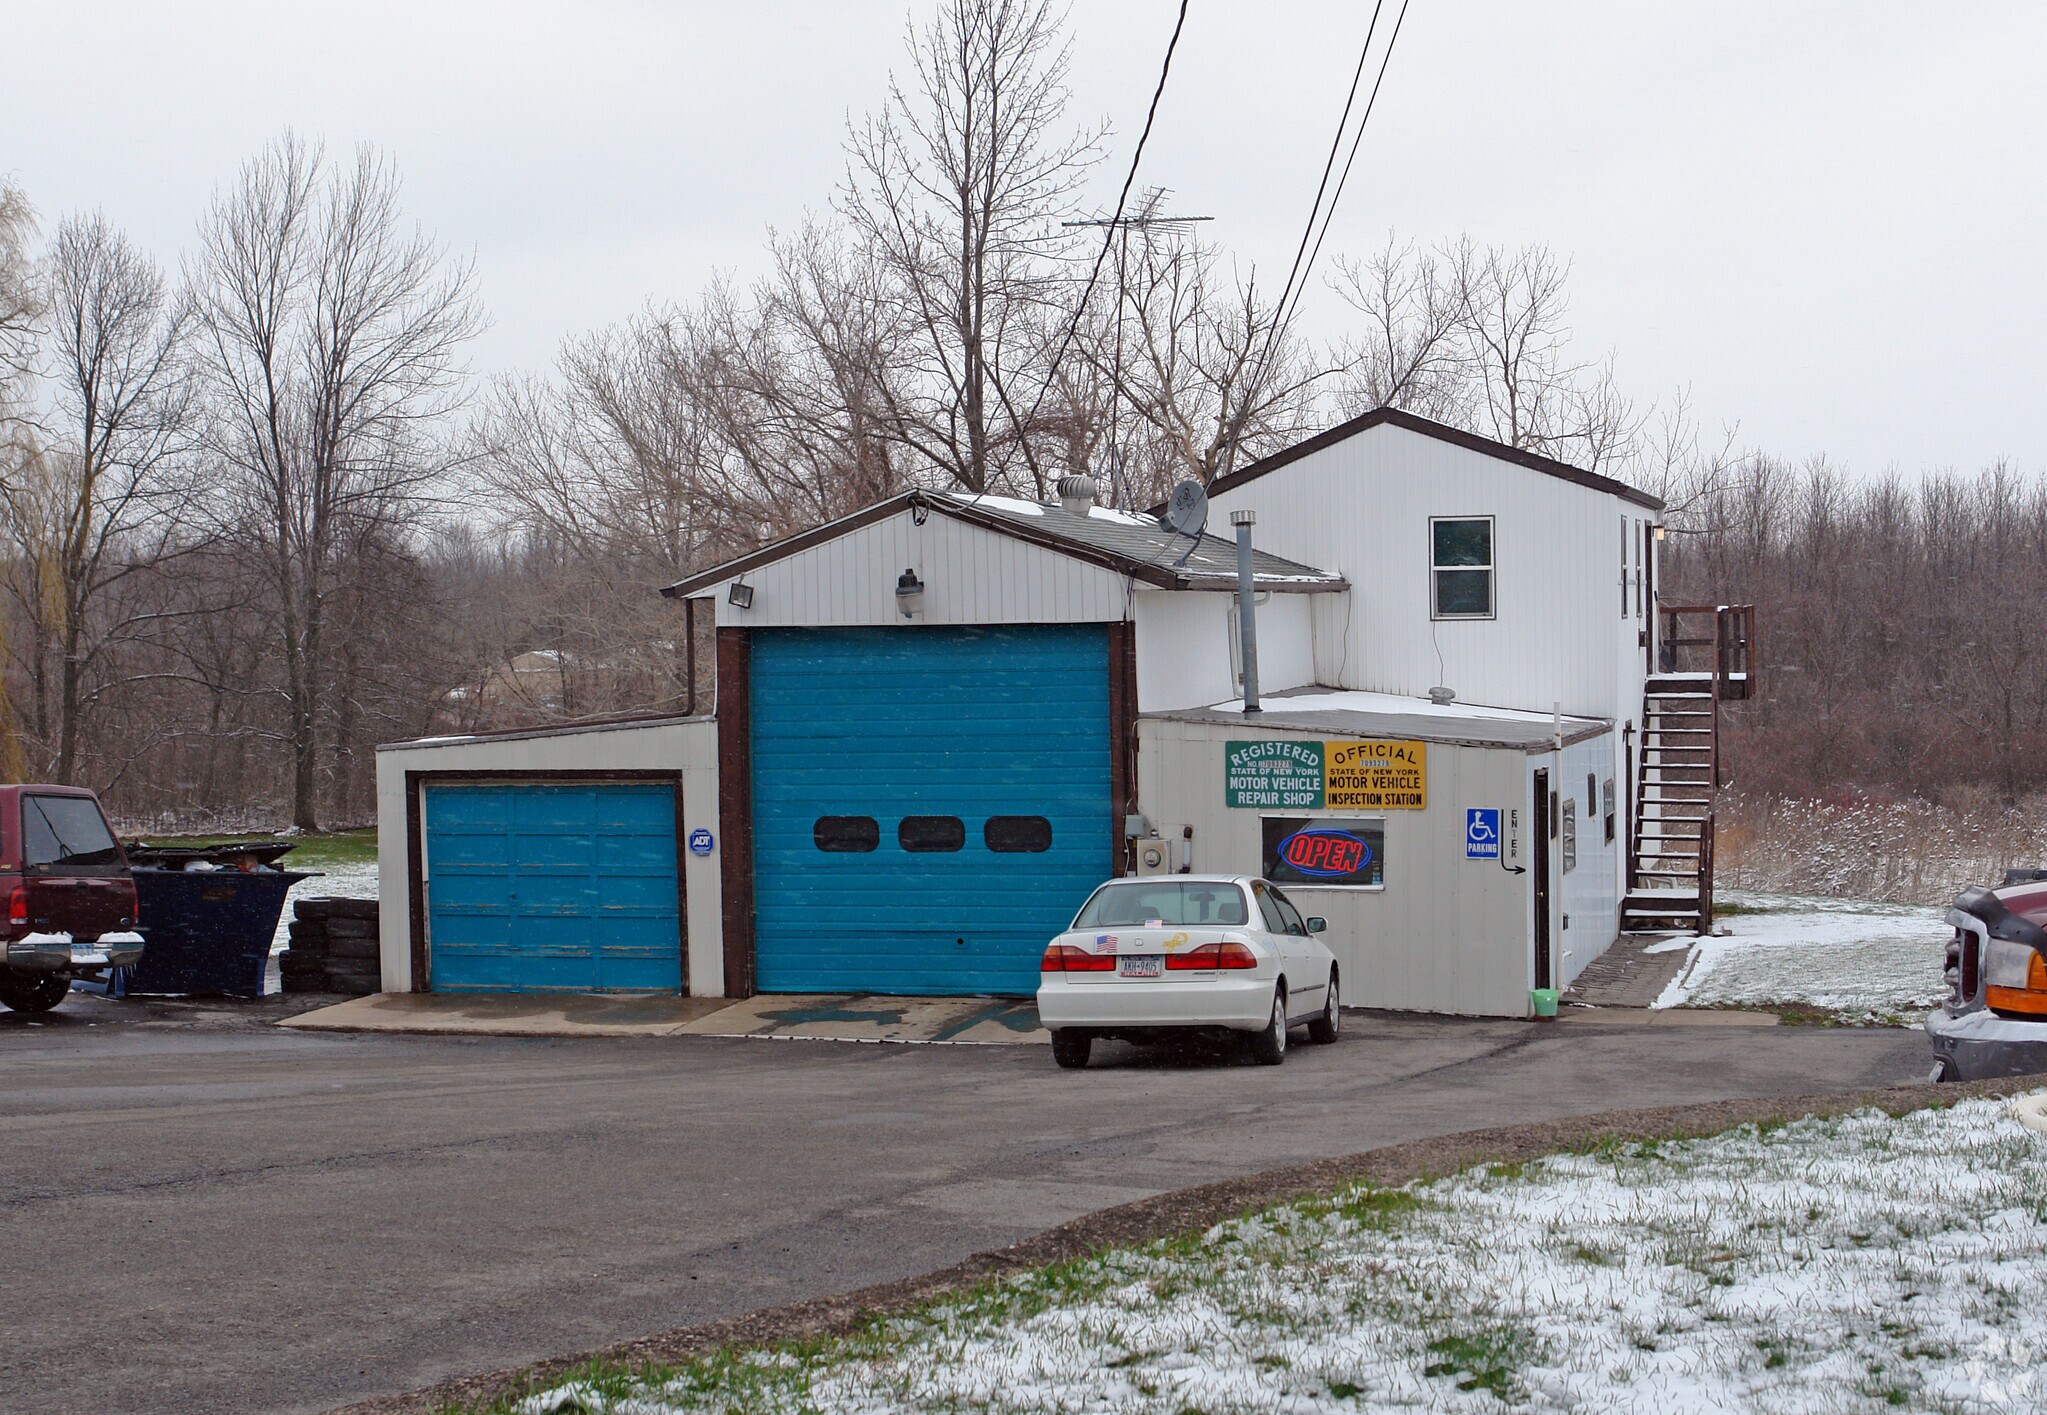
[[1324, 852]]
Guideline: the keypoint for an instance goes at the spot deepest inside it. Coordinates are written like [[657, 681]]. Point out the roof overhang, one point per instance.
[[1470, 441], [1160, 574], [1333, 712]]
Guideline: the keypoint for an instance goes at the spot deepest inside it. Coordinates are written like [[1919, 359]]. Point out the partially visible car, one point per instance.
[[1162, 956], [1993, 1021], [70, 899]]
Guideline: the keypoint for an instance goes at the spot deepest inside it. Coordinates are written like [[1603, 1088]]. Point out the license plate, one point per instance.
[[1144, 965]]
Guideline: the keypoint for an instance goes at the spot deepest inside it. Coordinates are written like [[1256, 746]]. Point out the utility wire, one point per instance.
[[1283, 312], [1370, 103], [1328, 166], [1108, 238]]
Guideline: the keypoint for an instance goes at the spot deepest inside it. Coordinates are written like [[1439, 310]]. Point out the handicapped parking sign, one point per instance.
[[1482, 833]]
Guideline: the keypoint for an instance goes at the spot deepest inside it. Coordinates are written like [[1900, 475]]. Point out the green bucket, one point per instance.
[[1545, 1000]]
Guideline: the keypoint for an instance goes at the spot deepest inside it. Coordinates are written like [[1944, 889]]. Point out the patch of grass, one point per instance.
[[1380, 1208], [342, 847], [1487, 1358]]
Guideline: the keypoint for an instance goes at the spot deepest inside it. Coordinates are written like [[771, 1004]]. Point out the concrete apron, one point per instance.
[[967, 1021]]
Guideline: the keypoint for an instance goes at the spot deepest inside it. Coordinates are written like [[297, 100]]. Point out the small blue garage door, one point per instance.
[[930, 805], [551, 888]]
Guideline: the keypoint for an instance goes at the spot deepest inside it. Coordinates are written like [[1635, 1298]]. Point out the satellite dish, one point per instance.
[[1187, 509]]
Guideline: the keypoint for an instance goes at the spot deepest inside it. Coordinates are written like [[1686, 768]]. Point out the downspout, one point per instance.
[[1247, 608]]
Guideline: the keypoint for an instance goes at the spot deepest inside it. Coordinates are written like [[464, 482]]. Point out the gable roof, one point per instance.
[[1470, 441], [1132, 543]]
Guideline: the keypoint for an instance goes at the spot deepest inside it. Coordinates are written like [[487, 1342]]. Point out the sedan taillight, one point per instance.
[[1229, 954], [1067, 958]]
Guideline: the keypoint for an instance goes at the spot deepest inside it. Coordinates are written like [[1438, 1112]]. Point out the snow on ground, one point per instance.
[[1856, 1264], [1859, 960]]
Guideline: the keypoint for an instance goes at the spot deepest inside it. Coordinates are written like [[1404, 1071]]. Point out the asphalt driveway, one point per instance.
[[226, 1217]]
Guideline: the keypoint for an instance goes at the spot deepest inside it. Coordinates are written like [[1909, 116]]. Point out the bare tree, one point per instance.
[[1405, 353], [951, 187], [19, 310], [1530, 392], [1475, 336], [20, 302], [331, 340], [1184, 348], [103, 498]]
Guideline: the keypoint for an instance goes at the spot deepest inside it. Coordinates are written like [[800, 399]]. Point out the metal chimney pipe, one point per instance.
[[1247, 607]]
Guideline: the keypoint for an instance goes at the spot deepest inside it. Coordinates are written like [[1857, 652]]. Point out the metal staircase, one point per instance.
[[1670, 860]]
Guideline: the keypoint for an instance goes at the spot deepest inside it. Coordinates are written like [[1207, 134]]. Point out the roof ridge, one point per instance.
[[1442, 432]]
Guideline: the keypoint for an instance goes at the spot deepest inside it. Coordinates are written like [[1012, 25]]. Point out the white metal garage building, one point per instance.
[[940, 721]]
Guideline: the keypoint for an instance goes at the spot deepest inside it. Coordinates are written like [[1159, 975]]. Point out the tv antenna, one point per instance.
[[1143, 219]]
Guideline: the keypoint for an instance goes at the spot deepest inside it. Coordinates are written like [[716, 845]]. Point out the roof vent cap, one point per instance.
[[1442, 697], [1077, 494]]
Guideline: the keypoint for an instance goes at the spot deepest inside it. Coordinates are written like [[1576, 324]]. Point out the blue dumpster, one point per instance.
[[207, 918]]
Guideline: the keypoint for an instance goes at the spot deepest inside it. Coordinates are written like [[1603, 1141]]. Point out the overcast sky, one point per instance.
[[1825, 219]]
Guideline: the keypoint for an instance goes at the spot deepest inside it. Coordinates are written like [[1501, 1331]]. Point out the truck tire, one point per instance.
[[37, 992]]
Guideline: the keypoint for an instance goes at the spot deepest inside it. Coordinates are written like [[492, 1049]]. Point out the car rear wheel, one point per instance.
[[1323, 1029], [1268, 1048], [1070, 1048], [33, 994]]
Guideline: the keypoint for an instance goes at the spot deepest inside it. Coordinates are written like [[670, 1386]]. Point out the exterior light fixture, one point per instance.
[[1659, 532], [909, 594], [740, 595]]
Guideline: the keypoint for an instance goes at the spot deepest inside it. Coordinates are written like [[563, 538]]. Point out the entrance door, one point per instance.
[[1540, 866]]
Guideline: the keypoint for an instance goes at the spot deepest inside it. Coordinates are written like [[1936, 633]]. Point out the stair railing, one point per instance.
[[1706, 874]]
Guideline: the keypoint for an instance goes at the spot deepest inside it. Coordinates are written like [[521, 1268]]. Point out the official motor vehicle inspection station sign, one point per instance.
[[1376, 776], [1299, 775]]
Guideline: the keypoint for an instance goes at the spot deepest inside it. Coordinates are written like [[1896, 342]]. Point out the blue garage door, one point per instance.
[[930, 805], [552, 888]]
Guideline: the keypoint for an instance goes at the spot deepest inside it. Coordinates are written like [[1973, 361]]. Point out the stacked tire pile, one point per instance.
[[333, 947]]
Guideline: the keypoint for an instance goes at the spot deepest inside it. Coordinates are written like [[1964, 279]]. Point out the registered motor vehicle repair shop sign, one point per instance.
[[1273, 776], [1297, 775]]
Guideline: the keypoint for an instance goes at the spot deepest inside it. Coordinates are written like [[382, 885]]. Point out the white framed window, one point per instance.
[[1461, 567]]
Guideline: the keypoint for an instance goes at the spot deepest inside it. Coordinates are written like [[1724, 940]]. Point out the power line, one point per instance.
[[1109, 236], [1370, 103], [1328, 166], [1282, 314]]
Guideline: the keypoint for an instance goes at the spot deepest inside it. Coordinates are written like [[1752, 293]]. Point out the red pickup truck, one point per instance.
[[70, 900]]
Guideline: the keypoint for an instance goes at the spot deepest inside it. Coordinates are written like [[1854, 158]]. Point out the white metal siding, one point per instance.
[[1187, 646], [970, 575], [1589, 896], [689, 747], [1362, 506], [1445, 935]]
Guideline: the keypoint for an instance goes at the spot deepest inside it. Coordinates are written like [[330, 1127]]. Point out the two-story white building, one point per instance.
[[940, 721]]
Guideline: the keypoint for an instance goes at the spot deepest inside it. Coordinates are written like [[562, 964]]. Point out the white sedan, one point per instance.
[[1149, 957]]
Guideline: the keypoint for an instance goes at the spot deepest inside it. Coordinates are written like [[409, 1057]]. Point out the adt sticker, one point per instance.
[[1482, 833], [700, 841]]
